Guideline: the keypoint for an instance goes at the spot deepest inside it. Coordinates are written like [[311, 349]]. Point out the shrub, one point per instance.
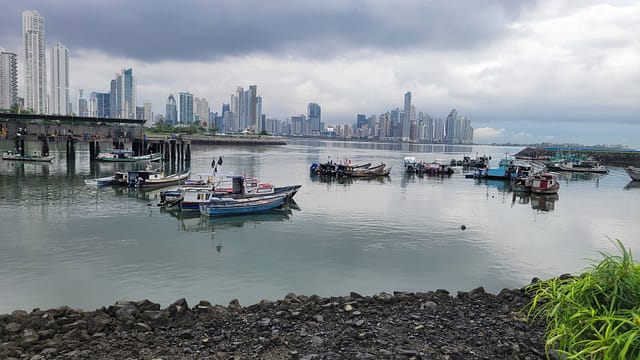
[[595, 315]]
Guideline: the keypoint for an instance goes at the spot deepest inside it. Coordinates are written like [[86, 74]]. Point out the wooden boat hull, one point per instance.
[[224, 207], [191, 200]]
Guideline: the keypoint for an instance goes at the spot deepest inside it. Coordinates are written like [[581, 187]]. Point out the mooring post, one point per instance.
[[92, 150], [44, 146], [71, 148]]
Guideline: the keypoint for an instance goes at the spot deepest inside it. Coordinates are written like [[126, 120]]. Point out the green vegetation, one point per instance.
[[15, 109], [164, 128], [595, 315]]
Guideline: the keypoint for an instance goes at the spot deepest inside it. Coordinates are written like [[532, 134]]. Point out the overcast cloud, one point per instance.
[[525, 71]]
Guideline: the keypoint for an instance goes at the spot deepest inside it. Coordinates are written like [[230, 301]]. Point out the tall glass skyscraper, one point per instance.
[[123, 95], [35, 70], [406, 121], [185, 115], [171, 111], [59, 80], [8, 80]]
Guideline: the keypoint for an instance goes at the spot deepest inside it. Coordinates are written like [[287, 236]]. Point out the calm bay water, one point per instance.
[[65, 243]]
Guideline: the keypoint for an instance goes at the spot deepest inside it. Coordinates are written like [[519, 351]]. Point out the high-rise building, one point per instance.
[[185, 112], [83, 105], [314, 114], [123, 95], [148, 113], [59, 80], [452, 128], [252, 107], [129, 93], [100, 105], [35, 69], [201, 107], [406, 120], [8, 80], [171, 111]]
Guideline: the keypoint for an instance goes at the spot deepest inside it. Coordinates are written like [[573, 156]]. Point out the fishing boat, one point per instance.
[[235, 206], [378, 170], [410, 164], [147, 179], [633, 172], [117, 155], [545, 184], [575, 163], [189, 197], [17, 156], [436, 167]]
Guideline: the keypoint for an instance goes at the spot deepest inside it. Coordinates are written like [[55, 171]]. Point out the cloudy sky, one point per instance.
[[522, 70]]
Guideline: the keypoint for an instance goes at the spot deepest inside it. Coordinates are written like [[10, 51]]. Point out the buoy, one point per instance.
[[463, 227]]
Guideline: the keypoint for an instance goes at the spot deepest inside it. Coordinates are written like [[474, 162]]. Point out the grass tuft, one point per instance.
[[594, 315]]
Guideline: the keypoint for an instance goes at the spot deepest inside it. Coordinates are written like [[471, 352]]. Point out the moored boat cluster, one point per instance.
[[347, 169]]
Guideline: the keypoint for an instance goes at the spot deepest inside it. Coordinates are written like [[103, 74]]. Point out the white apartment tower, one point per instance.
[[60, 100], [8, 80], [35, 70]]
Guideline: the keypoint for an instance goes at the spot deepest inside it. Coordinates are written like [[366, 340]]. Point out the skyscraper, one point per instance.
[[8, 80], [185, 103], [123, 95], [129, 94], [59, 80], [35, 70], [171, 111], [148, 113], [100, 105], [406, 121], [315, 118], [252, 107]]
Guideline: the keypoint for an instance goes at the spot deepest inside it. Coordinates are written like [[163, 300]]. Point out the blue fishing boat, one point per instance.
[[234, 206]]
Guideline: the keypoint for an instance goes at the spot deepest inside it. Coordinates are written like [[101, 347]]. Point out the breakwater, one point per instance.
[[402, 325], [610, 157]]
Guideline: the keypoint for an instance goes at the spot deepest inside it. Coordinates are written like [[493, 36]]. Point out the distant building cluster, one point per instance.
[[243, 113], [405, 125]]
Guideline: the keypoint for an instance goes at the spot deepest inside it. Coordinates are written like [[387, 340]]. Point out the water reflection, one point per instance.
[[539, 202], [192, 221], [577, 176], [632, 185], [342, 180]]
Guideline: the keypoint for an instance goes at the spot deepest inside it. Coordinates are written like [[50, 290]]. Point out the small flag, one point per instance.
[[215, 169], [220, 160], [213, 162]]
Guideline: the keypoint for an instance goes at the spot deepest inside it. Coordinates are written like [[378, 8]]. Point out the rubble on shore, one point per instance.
[[402, 325]]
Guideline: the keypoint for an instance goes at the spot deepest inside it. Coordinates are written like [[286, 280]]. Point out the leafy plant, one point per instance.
[[595, 315]]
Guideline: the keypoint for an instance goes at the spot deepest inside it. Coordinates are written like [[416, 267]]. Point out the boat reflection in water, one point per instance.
[[539, 202], [193, 221], [348, 180], [632, 185]]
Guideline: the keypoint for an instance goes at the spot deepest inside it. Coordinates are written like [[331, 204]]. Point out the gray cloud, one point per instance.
[[158, 30]]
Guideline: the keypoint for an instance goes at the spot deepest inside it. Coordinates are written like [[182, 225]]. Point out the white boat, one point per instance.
[[117, 155], [146, 179], [633, 172], [410, 164], [16, 156]]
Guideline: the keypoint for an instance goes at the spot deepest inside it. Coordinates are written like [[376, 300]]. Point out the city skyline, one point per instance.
[[523, 72]]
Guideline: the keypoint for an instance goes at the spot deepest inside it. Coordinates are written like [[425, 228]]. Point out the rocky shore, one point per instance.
[[402, 325]]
